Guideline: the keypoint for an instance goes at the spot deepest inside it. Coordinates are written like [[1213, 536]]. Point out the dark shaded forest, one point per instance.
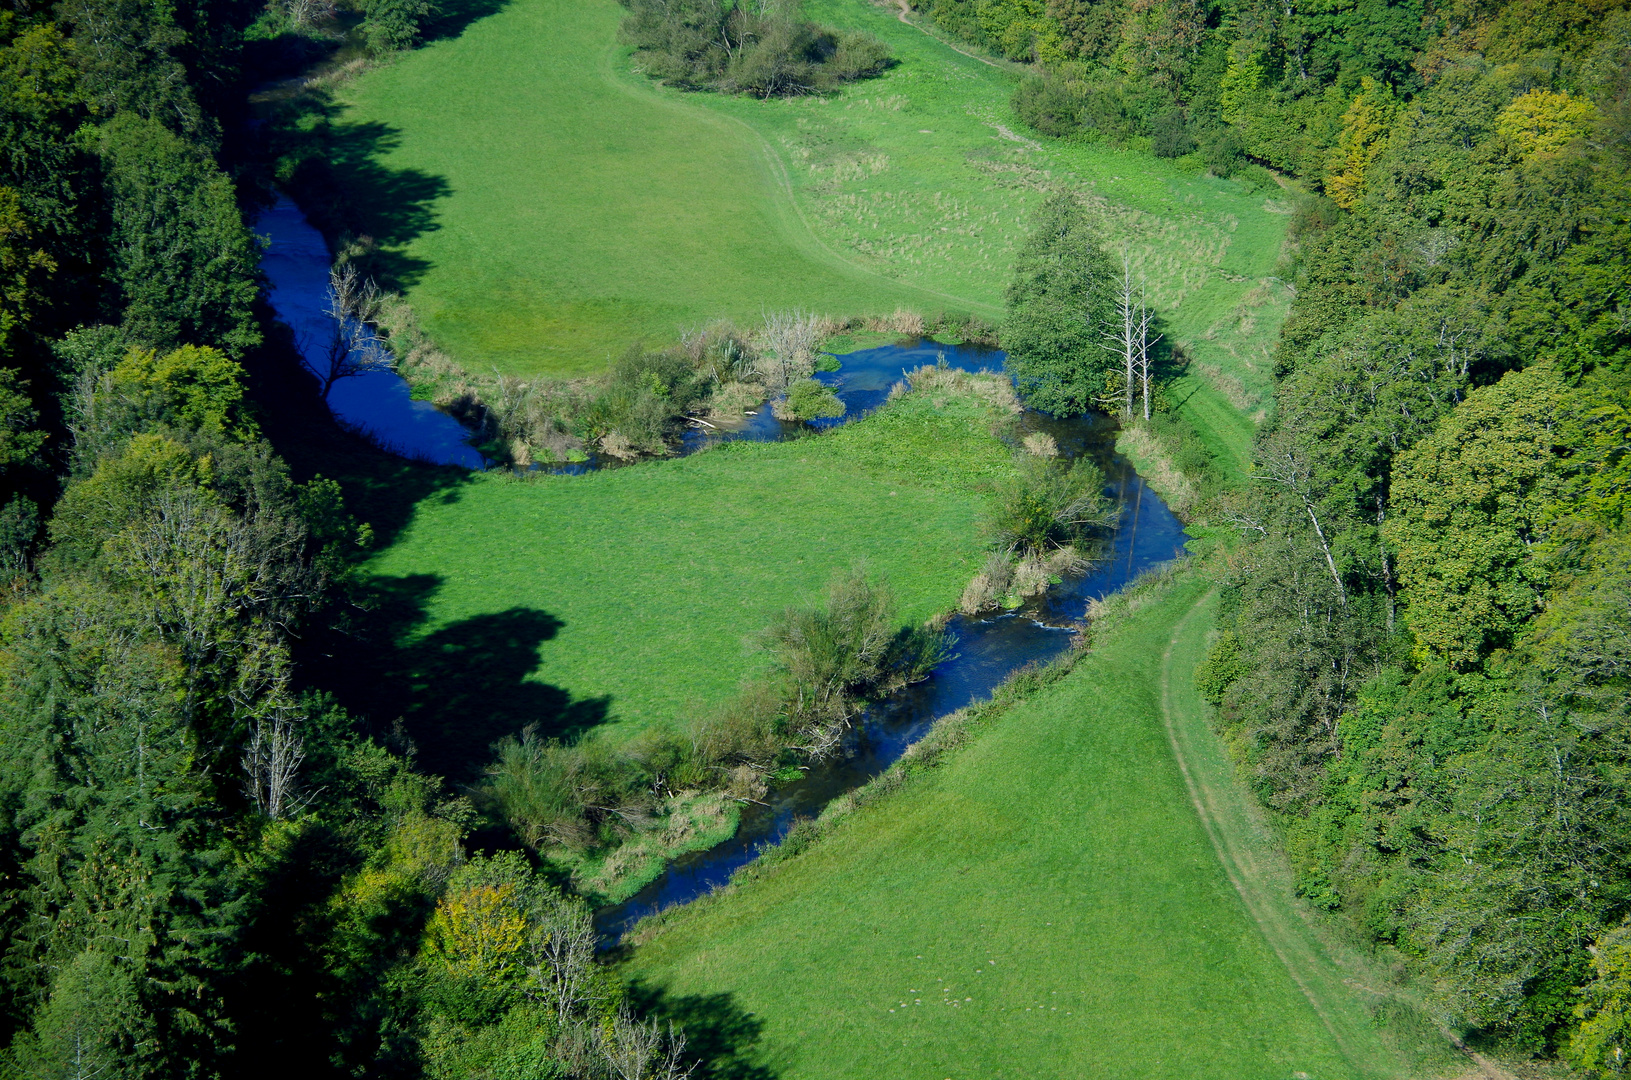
[[209, 867]]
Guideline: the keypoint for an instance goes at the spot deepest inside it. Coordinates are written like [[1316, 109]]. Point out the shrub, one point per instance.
[[849, 648], [552, 793], [1170, 136], [1045, 104], [1223, 665], [747, 729], [1048, 505], [1224, 152], [768, 52], [646, 395], [393, 25], [734, 399], [810, 400], [989, 586], [1041, 444], [791, 339]]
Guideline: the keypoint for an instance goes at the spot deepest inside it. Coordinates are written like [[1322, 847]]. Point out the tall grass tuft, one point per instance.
[[1048, 505], [836, 655]]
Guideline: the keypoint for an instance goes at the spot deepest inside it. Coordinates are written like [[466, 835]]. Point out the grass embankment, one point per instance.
[[563, 206], [1045, 902], [652, 583]]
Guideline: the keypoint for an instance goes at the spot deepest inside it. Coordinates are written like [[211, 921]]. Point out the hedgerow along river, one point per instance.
[[985, 649]]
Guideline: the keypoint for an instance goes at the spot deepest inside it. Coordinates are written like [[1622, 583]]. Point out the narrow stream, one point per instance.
[[985, 650], [296, 265]]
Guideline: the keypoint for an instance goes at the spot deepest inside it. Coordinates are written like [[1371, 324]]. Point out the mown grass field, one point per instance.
[[579, 207], [1044, 903], [659, 578]]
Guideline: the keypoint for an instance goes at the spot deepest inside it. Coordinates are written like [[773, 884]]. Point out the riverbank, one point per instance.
[[910, 190], [1035, 896], [629, 597]]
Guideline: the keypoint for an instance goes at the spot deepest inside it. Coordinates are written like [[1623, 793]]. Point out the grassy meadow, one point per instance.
[[567, 206], [1045, 902], [647, 587], [565, 210]]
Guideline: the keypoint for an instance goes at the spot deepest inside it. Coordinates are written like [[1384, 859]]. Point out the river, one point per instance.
[[985, 649]]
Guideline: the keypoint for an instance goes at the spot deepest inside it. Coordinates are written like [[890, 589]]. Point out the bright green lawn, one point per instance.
[[665, 573], [1046, 904], [583, 211], [586, 207]]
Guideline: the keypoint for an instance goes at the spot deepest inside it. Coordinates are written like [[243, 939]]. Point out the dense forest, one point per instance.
[[209, 868], [1427, 647]]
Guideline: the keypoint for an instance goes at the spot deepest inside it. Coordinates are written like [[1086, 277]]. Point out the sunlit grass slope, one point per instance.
[[583, 212], [586, 207], [662, 575], [1045, 904]]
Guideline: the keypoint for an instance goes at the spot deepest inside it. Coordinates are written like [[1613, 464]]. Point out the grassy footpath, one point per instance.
[[660, 577], [562, 206], [1044, 903]]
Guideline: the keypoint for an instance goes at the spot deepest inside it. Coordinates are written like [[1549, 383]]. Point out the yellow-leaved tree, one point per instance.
[[1543, 122], [1364, 136], [480, 932]]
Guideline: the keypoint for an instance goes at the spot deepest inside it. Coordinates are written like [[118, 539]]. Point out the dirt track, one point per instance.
[[1262, 886]]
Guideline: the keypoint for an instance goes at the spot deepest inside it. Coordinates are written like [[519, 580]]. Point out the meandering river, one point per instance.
[[985, 649]]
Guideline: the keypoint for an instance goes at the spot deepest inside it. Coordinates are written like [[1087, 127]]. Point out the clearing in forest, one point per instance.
[[1044, 903], [563, 206]]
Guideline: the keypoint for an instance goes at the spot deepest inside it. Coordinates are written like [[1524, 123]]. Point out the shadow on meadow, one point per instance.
[[719, 1034], [337, 170], [457, 690], [386, 208], [451, 692], [450, 18]]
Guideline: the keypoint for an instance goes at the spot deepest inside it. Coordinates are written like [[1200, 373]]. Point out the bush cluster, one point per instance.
[[1055, 104], [829, 660], [765, 50]]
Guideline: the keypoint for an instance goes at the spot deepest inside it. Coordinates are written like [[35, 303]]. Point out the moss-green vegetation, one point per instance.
[[602, 207], [655, 581], [1044, 902]]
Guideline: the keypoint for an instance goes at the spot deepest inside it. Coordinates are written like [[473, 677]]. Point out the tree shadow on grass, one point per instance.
[[450, 18], [339, 171], [457, 690], [385, 208], [719, 1035]]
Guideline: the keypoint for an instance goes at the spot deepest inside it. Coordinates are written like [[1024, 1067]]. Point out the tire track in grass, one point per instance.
[[796, 225], [906, 10], [1260, 883]]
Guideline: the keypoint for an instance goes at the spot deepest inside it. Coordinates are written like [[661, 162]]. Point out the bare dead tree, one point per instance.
[[566, 957], [1123, 334], [353, 348], [271, 764], [792, 337], [1145, 319], [638, 1049], [308, 13]]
